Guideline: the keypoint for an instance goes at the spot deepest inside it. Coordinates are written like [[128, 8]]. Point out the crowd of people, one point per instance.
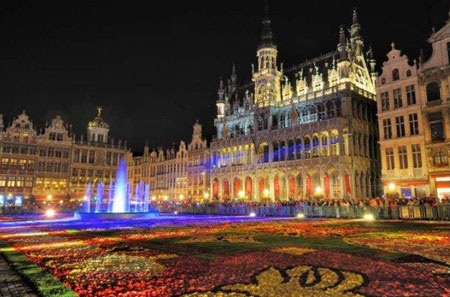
[[319, 201], [388, 208], [283, 207]]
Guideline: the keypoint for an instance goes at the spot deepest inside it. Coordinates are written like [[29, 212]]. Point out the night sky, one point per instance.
[[155, 68]]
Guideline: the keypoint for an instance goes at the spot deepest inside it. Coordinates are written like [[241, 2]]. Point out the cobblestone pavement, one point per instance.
[[11, 284]]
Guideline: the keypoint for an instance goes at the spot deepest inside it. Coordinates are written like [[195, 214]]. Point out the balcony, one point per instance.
[[434, 103]]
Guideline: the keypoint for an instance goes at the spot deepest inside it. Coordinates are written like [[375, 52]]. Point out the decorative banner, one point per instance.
[[308, 185], [237, 186], [248, 186], [215, 188], [226, 188], [292, 186], [326, 181], [276, 185], [348, 185], [261, 187]]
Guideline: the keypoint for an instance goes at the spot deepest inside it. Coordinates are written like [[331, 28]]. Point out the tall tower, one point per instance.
[[267, 78], [98, 129], [220, 100]]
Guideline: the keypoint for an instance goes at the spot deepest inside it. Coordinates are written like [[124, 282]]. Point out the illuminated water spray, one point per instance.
[[119, 195], [99, 197], [121, 201]]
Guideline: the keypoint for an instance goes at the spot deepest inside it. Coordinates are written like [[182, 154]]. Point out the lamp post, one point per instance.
[[266, 193], [392, 190]]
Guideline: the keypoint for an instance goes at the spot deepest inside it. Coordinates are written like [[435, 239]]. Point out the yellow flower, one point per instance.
[[301, 281]]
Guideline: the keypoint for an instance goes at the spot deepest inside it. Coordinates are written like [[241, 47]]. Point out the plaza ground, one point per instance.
[[226, 256]]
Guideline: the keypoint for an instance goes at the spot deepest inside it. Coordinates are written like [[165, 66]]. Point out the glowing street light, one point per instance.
[[266, 192], [368, 217], [300, 216], [181, 196], [241, 194], [50, 213], [392, 187], [49, 197], [318, 191], [252, 214]]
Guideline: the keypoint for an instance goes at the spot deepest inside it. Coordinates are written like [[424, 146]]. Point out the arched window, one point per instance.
[[324, 151], [330, 109], [312, 114], [383, 81], [305, 115], [334, 144], [408, 73], [307, 147], [395, 74], [291, 149], [288, 119], [315, 143], [282, 150], [298, 148], [282, 120], [321, 111], [433, 92]]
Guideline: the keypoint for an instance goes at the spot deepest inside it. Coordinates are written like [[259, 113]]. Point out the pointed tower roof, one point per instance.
[[266, 33], [355, 16]]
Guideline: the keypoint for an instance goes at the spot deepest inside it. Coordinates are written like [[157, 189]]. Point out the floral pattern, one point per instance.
[[284, 258], [301, 281]]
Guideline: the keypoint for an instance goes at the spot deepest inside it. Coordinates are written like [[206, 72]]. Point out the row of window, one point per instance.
[[18, 149], [403, 157], [52, 167], [13, 163], [400, 126], [76, 172], [16, 181], [52, 152], [397, 97]]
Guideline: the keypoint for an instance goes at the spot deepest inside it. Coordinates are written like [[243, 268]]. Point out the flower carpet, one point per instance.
[[212, 257]]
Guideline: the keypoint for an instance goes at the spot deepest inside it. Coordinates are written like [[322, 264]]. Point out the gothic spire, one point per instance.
[[233, 74], [355, 16], [342, 46], [266, 33]]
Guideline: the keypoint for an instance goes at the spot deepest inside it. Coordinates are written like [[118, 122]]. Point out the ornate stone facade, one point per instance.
[[307, 130], [414, 102], [174, 174], [52, 164]]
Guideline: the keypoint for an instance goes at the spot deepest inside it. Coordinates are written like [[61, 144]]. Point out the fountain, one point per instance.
[[119, 199]]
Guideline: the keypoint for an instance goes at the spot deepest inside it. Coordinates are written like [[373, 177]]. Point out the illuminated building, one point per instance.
[[197, 166], [53, 165], [290, 131], [414, 121], [174, 174]]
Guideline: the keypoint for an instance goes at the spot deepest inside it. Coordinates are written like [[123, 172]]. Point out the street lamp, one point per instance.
[[318, 191], [49, 197], [181, 196], [241, 194], [392, 187], [266, 192], [206, 195]]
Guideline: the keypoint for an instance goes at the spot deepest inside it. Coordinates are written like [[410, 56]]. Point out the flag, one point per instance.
[[294, 114], [225, 131]]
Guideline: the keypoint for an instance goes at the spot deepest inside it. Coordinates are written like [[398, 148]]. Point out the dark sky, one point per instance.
[[154, 66]]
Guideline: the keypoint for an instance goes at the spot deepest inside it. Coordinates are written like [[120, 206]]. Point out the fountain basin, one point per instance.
[[117, 215]]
